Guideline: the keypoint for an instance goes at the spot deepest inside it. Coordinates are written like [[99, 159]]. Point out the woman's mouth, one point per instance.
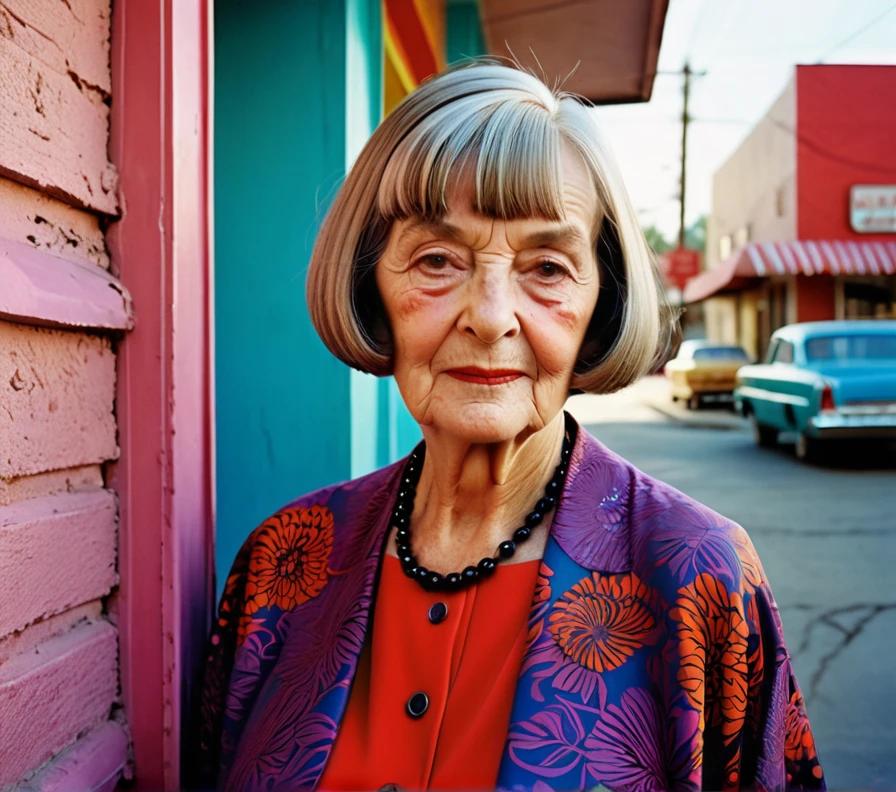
[[485, 376]]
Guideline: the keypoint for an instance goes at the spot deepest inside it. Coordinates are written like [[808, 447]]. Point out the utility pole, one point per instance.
[[684, 152], [687, 73]]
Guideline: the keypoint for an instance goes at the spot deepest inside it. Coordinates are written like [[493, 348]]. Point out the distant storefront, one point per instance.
[[803, 219]]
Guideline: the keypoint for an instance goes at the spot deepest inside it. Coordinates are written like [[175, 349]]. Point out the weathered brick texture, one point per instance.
[[50, 225], [51, 694], [54, 89], [59, 668], [55, 553], [57, 391]]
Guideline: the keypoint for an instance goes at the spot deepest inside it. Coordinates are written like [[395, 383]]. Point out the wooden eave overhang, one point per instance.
[[603, 50]]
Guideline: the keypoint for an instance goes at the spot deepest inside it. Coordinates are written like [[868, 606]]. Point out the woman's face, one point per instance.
[[488, 316]]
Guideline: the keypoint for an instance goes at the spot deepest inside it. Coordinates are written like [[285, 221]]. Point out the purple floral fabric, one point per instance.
[[655, 659]]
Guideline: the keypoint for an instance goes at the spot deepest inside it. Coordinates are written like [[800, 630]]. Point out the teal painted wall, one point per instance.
[[463, 31], [284, 404], [297, 92]]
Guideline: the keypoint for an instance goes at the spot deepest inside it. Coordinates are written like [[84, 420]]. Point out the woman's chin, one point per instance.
[[483, 422]]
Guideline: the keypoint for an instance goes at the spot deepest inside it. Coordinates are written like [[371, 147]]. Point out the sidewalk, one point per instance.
[[649, 400]]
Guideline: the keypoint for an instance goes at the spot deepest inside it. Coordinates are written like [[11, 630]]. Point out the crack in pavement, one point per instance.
[[848, 634]]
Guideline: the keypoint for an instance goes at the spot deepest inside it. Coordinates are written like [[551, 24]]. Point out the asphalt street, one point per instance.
[[826, 535]]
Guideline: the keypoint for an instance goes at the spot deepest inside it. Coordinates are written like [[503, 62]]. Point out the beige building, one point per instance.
[[753, 199]]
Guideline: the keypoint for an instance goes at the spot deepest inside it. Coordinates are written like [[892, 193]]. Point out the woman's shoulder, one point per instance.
[[329, 511], [652, 523]]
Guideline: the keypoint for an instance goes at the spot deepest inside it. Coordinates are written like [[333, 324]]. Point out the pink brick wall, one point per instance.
[[62, 725]]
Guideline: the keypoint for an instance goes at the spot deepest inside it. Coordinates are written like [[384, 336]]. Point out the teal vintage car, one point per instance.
[[822, 380]]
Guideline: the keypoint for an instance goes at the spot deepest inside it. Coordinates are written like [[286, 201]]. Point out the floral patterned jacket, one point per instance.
[[655, 660]]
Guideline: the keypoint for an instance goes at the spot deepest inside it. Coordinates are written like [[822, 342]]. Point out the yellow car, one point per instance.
[[704, 368]]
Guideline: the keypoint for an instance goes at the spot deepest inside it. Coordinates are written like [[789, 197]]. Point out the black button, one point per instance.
[[438, 612], [417, 705]]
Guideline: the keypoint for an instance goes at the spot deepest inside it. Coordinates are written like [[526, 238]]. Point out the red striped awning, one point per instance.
[[803, 257]]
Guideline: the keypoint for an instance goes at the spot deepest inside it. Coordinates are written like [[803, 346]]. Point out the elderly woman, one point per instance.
[[513, 604]]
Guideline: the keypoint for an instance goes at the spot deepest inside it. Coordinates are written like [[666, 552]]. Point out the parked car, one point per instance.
[[823, 380], [704, 368]]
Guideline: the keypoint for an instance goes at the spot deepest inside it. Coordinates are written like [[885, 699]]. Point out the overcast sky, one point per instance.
[[748, 49]]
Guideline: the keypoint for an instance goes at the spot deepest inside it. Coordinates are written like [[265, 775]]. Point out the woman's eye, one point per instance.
[[434, 261], [550, 270]]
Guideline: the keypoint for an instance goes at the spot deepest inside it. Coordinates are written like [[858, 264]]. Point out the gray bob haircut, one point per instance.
[[505, 128]]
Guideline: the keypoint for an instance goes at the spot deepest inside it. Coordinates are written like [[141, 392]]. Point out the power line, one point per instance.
[[700, 19], [801, 137], [687, 73], [738, 121], [827, 153], [731, 9], [852, 35]]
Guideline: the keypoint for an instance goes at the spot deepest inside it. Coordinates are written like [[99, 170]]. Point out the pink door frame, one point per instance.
[[161, 250]]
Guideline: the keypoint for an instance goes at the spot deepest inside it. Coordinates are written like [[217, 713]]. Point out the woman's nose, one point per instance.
[[490, 312]]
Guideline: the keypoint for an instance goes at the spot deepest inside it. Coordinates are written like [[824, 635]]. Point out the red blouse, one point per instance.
[[466, 663]]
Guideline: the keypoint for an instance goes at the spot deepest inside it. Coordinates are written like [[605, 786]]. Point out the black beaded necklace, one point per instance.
[[404, 507]]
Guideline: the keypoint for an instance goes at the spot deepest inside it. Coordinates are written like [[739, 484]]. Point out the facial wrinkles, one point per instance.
[[494, 303], [495, 291], [502, 246], [492, 247], [496, 299]]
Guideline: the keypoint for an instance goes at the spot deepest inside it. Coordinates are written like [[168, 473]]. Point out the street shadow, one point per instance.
[[847, 454]]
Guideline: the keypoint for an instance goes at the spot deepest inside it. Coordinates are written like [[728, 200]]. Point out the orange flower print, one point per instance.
[[712, 637], [799, 743], [288, 565], [756, 671], [603, 620]]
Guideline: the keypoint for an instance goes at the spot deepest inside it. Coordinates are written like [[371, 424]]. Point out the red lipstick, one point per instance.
[[482, 376]]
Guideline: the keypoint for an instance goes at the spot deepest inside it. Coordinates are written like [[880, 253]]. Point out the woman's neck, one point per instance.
[[471, 497]]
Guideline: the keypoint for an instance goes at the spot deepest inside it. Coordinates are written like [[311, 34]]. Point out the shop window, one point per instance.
[[870, 298]]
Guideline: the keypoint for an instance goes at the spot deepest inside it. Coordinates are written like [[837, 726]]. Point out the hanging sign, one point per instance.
[[680, 265], [872, 208]]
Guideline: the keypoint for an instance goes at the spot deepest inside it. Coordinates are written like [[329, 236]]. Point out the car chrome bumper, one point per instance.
[[831, 425]]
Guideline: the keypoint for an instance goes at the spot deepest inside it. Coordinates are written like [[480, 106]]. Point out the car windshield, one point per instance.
[[720, 353], [851, 347]]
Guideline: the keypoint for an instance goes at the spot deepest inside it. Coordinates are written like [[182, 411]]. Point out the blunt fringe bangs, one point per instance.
[[509, 148], [503, 129]]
